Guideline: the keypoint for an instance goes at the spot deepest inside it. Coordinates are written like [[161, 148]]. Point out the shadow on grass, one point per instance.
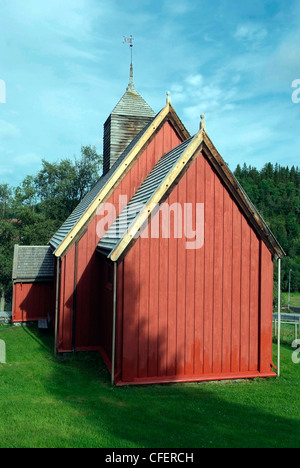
[[43, 337], [232, 414]]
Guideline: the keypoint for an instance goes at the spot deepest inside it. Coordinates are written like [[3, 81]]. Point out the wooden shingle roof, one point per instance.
[[33, 263], [132, 103]]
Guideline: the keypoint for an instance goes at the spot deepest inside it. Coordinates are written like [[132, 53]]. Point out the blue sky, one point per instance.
[[65, 67]]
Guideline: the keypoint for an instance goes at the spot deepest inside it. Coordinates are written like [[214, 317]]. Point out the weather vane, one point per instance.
[[129, 40]]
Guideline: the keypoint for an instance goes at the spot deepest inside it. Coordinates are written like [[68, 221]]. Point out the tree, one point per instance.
[[41, 204], [275, 191], [60, 186], [5, 195], [7, 240], [26, 193]]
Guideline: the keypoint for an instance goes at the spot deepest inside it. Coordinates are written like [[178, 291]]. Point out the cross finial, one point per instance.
[[168, 97], [202, 122]]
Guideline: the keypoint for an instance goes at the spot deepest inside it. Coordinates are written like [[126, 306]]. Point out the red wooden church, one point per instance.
[[159, 304]]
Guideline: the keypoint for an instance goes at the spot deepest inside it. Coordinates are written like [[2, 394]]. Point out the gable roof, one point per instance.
[[33, 263], [85, 210], [158, 184]]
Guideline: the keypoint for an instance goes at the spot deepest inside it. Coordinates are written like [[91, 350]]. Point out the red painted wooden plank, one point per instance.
[[254, 303], [236, 289], [92, 276], [209, 267], [68, 299], [161, 144], [61, 322], [227, 283], [167, 136], [199, 274], [119, 320], [181, 290], [82, 294], [153, 309], [33, 301], [191, 185], [218, 277], [163, 305], [172, 297], [245, 296], [144, 280], [175, 140], [266, 305], [130, 318], [105, 309], [202, 378]]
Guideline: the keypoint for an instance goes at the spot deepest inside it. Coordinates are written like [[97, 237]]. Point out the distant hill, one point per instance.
[[275, 191]]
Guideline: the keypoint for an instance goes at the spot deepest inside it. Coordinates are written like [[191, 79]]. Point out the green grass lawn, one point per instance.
[[70, 403], [294, 301]]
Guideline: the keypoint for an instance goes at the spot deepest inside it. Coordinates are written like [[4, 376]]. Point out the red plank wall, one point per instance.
[[33, 301], [197, 314], [88, 300]]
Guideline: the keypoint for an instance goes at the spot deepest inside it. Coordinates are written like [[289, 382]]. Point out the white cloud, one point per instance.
[[5, 171], [61, 103], [177, 8], [251, 32], [8, 130], [283, 65], [195, 80], [208, 95], [69, 18], [28, 159]]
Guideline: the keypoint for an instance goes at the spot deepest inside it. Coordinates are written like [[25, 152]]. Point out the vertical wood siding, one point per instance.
[[33, 301], [198, 314], [89, 305]]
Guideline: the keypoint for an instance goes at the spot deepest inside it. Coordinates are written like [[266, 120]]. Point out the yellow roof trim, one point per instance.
[[105, 192], [165, 186]]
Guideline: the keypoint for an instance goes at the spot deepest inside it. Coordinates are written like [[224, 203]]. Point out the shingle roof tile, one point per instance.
[[33, 262]]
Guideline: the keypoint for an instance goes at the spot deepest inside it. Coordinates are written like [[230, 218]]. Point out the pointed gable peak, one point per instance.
[[132, 103]]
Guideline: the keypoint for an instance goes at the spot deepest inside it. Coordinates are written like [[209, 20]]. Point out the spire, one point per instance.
[[126, 121], [131, 87]]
